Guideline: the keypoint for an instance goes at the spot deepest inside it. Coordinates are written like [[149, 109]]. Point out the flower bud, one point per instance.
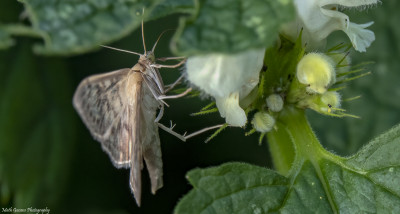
[[317, 72], [274, 102], [323, 103], [329, 100], [263, 122]]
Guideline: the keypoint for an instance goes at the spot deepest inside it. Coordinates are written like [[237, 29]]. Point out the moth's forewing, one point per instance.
[[134, 88], [151, 148], [101, 101], [110, 106]]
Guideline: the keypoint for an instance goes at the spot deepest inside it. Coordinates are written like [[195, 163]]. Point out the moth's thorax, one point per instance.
[[138, 67]]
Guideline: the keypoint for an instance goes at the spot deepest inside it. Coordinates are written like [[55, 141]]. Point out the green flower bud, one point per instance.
[[274, 102], [317, 72], [323, 103], [263, 122], [329, 100]]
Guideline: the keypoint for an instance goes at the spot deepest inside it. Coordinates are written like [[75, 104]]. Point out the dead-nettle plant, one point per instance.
[[267, 91]]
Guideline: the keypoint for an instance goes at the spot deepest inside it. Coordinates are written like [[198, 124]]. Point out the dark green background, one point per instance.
[[48, 158]]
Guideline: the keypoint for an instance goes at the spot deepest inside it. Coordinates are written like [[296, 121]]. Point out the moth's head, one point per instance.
[[149, 55]]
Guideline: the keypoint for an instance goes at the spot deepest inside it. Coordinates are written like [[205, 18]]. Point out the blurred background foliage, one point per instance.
[[48, 158]]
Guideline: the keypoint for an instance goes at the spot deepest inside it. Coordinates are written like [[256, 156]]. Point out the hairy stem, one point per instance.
[[297, 132]]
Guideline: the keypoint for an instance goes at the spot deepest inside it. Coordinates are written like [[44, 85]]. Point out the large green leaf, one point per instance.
[[319, 182], [167, 7], [71, 27], [231, 26], [36, 128], [233, 187]]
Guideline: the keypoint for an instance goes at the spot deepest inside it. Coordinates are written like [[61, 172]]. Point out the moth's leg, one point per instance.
[[203, 130], [170, 58], [160, 114], [171, 86], [163, 102], [169, 66], [184, 137], [163, 97], [169, 130]]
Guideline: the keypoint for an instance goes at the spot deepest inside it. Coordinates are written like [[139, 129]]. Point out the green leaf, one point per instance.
[[231, 26], [72, 27], [36, 128], [318, 182], [233, 188], [168, 7], [306, 194]]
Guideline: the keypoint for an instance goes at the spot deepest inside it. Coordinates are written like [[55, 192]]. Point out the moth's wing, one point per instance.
[[101, 102], [151, 148], [135, 118], [155, 75]]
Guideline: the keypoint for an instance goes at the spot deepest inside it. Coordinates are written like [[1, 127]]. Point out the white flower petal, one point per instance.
[[227, 78], [348, 3], [319, 18], [222, 74], [360, 37], [229, 109]]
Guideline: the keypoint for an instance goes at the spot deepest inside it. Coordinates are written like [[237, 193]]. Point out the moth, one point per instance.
[[119, 109]]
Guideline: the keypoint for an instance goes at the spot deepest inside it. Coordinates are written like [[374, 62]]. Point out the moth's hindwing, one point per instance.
[[151, 143], [101, 101]]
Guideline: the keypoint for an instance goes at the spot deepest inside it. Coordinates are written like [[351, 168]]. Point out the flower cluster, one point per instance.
[[229, 78]]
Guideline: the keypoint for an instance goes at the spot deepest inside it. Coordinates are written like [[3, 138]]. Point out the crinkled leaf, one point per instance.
[[72, 27], [367, 182], [231, 26], [36, 128], [306, 194], [167, 7], [233, 188]]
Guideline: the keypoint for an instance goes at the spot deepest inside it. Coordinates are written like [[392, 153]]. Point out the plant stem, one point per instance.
[[281, 148], [306, 143], [297, 141], [293, 137]]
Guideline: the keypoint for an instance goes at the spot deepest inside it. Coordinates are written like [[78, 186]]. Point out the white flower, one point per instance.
[[319, 18], [228, 78]]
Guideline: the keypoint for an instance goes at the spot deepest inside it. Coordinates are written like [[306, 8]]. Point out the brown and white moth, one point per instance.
[[119, 109]]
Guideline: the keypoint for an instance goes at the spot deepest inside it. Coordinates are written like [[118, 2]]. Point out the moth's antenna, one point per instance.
[[144, 43], [159, 37], [122, 50]]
